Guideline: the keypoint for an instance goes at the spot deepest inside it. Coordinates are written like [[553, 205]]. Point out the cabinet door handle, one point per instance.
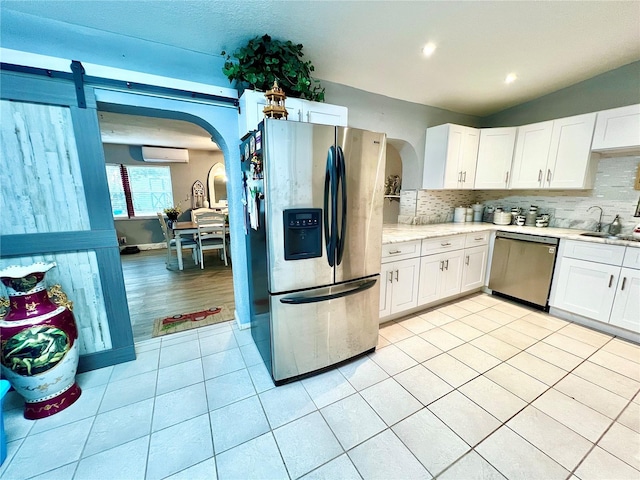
[[391, 277], [441, 265], [395, 252], [624, 281], [466, 262], [464, 177], [479, 238], [549, 175], [506, 178], [610, 281], [446, 264], [397, 276], [540, 175], [460, 176], [446, 244]]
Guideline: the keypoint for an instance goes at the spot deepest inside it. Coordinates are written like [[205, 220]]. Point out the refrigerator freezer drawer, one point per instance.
[[317, 328]]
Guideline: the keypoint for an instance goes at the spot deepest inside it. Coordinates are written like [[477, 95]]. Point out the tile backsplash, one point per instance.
[[613, 191]]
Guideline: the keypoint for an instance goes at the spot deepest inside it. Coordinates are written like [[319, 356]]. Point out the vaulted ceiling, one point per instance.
[[376, 45]]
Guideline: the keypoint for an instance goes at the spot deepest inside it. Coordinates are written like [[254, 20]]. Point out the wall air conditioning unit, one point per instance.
[[165, 155]]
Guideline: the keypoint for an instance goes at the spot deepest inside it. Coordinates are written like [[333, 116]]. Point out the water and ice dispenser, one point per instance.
[[302, 233]]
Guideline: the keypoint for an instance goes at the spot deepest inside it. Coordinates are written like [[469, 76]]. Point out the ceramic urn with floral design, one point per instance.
[[39, 348]]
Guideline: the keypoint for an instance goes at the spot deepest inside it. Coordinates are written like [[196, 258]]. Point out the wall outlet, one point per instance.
[[122, 240]]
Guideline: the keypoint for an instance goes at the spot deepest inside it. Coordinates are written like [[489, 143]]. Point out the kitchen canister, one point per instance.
[[477, 211], [469, 215], [460, 215]]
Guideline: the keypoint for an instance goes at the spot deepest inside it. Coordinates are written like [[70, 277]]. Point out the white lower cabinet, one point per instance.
[[419, 273], [399, 286], [440, 276], [474, 268], [586, 288], [607, 292], [626, 306]]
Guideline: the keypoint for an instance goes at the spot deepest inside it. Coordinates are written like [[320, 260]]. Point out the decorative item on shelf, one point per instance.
[[197, 194], [275, 103], [264, 60], [40, 348], [392, 185]]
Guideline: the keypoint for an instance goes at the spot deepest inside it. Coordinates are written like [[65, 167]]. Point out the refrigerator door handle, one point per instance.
[[342, 180], [323, 298], [329, 204]]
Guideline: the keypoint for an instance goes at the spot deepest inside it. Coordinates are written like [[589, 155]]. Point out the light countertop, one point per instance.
[[395, 233]]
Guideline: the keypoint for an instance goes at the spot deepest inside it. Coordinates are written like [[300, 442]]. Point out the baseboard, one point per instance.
[[428, 306], [596, 325], [150, 246]]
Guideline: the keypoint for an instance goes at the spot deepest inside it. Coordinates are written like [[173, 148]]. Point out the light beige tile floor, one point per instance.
[[480, 388]]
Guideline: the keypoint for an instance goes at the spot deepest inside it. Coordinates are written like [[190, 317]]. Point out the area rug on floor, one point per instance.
[[187, 321]]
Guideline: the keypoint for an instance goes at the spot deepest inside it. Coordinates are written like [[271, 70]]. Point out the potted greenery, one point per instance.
[[264, 60]]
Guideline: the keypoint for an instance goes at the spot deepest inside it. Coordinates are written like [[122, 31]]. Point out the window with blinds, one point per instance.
[[139, 191]]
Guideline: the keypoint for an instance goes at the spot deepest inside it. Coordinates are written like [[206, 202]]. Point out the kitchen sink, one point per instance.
[[609, 236]]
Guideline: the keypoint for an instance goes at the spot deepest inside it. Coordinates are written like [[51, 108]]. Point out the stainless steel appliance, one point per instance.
[[522, 267], [315, 246]]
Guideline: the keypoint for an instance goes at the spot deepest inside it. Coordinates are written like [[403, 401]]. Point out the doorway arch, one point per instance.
[[221, 122]]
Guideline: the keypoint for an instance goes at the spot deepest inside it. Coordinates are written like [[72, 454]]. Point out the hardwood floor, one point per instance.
[[153, 291]]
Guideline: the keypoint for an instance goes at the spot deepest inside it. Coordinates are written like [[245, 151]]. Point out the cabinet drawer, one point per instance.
[[632, 258], [442, 244], [399, 251], [594, 252], [477, 239]]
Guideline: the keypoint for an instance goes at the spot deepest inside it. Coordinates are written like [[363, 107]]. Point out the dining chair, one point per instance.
[[212, 234], [171, 242], [197, 211]]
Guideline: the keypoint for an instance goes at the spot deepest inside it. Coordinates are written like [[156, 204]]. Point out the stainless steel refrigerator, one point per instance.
[[314, 196]]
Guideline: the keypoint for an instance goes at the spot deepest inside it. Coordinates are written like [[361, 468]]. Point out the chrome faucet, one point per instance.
[[599, 224]]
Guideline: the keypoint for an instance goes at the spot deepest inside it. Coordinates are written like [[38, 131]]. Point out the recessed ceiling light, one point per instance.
[[428, 49], [512, 77]]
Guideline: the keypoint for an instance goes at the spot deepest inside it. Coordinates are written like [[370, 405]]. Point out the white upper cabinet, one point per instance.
[[451, 154], [569, 164], [495, 155], [252, 103], [323, 113], [617, 128], [531, 153], [554, 154]]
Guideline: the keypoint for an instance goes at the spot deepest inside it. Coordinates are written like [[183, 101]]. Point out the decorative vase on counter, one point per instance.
[[39, 350]]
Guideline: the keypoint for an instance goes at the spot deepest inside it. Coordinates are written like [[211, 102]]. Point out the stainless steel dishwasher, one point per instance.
[[522, 267]]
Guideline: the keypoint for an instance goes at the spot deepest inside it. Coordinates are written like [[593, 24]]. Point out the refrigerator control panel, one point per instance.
[[302, 233]]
